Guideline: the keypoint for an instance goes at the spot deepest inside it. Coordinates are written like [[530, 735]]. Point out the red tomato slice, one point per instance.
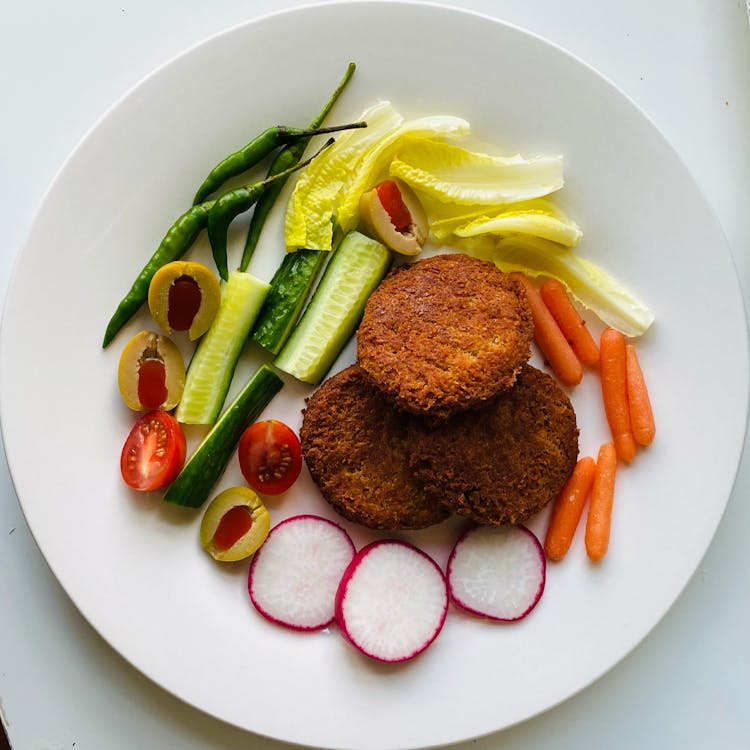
[[154, 452], [270, 457]]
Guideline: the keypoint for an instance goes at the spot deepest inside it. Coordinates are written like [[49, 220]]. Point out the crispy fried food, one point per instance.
[[354, 444], [444, 334], [502, 462]]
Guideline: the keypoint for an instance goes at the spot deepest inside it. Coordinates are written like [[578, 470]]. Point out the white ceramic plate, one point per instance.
[[134, 567]]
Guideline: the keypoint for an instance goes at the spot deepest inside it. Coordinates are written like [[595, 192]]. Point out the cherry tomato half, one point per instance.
[[154, 452], [270, 456]]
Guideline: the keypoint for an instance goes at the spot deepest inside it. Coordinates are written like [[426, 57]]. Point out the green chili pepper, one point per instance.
[[235, 202], [285, 159], [260, 147], [175, 244]]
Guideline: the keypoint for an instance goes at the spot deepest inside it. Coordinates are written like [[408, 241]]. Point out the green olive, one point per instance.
[[184, 296], [392, 214], [234, 525], [151, 373]]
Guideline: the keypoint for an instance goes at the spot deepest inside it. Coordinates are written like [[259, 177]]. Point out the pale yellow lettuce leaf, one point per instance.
[[539, 217], [451, 174], [311, 208], [327, 193], [586, 282], [374, 165]]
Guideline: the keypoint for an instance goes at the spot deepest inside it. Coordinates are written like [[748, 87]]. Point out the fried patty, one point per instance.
[[504, 461], [445, 333], [354, 444]]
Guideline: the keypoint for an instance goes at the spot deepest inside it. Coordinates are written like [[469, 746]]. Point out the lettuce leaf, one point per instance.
[[311, 209], [327, 193], [451, 174], [595, 289], [540, 217]]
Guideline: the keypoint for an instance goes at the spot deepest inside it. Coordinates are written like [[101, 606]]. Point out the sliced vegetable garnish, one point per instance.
[[392, 601], [154, 452], [352, 274], [208, 461], [210, 371], [498, 573], [452, 174], [294, 577], [270, 456]]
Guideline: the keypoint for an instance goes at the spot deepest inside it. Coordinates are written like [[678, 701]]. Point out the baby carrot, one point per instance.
[[641, 414], [571, 323], [599, 519], [567, 509], [613, 373], [550, 338]]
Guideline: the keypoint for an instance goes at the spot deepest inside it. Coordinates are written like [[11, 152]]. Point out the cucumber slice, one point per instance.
[[352, 274], [204, 468], [290, 287], [212, 366]]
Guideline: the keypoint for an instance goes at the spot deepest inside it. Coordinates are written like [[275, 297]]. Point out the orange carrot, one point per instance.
[[550, 338], [641, 414], [613, 372], [567, 509], [599, 519], [571, 323]]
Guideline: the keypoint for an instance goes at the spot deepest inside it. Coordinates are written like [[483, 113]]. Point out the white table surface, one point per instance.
[[685, 62]]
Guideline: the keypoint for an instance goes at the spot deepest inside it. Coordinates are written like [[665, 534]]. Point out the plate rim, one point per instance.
[[444, 8]]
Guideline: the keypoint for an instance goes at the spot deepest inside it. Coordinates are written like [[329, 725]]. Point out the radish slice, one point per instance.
[[294, 576], [392, 601], [498, 573]]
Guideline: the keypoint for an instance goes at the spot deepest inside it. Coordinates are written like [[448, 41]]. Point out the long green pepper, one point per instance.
[[183, 233], [235, 202], [255, 151], [175, 244], [285, 159]]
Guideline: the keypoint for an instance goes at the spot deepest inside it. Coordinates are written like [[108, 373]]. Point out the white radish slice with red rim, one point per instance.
[[497, 572], [392, 601], [294, 576]]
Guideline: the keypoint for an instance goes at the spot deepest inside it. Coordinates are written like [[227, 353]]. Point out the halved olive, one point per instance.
[[151, 374], [392, 214], [184, 296], [234, 525]]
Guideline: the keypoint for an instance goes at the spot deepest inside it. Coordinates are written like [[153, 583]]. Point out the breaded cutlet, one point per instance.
[[354, 444], [504, 461], [444, 333]]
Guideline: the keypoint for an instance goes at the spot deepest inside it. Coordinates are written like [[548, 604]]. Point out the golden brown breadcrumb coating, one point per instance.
[[504, 461], [354, 444], [444, 334]]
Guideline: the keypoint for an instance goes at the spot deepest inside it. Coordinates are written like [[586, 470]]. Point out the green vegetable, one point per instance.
[[204, 468], [235, 202], [175, 244], [352, 274], [255, 151], [290, 287], [285, 159], [211, 369]]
